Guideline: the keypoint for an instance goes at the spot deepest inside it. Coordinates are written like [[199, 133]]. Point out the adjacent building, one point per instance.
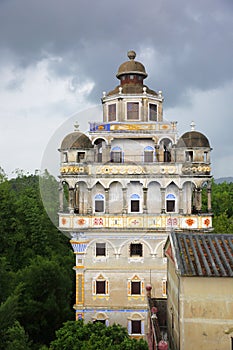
[[200, 291], [123, 187]]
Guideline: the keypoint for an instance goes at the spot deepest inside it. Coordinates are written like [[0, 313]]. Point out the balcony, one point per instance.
[[165, 222], [135, 168]]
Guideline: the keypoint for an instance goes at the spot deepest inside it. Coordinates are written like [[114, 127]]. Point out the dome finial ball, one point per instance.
[[131, 54]]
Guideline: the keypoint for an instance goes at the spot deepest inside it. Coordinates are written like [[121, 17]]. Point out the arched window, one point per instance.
[[170, 203], [135, 203], [99, 203], [116, 155], [148, 154]]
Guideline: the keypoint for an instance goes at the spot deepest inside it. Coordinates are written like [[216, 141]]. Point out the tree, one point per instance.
[[76, 335], [35, 265], [222, 199], [16, 338], [46, 298]]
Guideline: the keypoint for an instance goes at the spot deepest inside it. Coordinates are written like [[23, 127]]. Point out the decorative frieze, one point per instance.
[[142, 221]]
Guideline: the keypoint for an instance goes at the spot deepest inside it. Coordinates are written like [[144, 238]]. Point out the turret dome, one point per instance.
[[193, 139], [131, 67], [76, 140]]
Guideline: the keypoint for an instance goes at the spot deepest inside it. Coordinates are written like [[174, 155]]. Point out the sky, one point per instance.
[[58, 56]]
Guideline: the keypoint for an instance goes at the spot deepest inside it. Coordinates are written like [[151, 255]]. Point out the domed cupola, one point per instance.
[[131, 71], [76, 140], [131, 75], [193, 139]]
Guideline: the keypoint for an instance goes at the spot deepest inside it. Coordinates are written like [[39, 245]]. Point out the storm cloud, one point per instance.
[[57, 57]]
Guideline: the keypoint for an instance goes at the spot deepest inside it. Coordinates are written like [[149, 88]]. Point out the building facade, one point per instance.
[[200, 289], [123, 188]]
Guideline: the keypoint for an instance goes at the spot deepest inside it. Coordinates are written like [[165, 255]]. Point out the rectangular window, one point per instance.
[[132, 110], [170, 206], [65, 157], [112, 112], [189, 156], [80, 156], [100, 249], [100, 287], [136, 327], [152, 112], [135, 287], [99, 206], [134, 205], [135, 249], [205, 156]]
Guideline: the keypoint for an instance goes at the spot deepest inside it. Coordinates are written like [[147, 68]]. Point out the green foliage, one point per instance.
[[44, 301], [94, 336], [222, 206], [35, 265], [16, 338], [36, 277], [222, 198]]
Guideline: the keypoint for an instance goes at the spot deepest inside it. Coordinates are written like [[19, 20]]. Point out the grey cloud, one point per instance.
[[93, 39], [191, 42]]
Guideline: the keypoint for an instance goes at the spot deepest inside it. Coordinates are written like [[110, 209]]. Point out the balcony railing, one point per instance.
[[68, 221], [134, 168]]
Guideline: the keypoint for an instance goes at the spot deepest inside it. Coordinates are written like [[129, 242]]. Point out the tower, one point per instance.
[[123, 188]]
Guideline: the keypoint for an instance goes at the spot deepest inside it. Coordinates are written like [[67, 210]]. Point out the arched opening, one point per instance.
[[81, 198], [172, 198], [170, 203], [188, 197], [116, 155], [99, 146], [165, 148], [99, 203], [148, 154], [115, 198], [135, 203], [154, 198]]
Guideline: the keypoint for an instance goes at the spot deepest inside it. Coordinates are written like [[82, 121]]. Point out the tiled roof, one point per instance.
[[207, 255]]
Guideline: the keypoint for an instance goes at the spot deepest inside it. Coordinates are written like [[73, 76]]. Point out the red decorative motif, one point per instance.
[[172, 222], [207, 222], [81, 221], [63, 221], [98, 221], [189, 222], [135, 222]]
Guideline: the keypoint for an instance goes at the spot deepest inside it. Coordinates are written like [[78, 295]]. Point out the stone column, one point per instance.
[[89, 201], [145, 189], [125, 205], [209, 196], [162, 190], [181, 209], [107, 200], [76, 201], [61, 194], [199, 199], [71, 200]]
